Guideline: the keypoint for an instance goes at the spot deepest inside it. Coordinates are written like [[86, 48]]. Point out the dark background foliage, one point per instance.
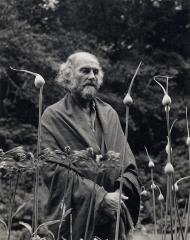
[[38, 35]]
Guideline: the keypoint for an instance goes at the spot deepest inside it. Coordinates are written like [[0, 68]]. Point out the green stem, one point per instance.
[[12, 200], [171, 206], [121, 181], [175, 225], [154, 203], [169, 134], [61, 220], [71, 226], [187, 218], [37, 165], [39, 122], [127, 122], [90, 210], [10, 205], [183, 216], [167, 203], [63, 201], [170, 179], [161, 219], [189, 156], [36, 198], [176, 208], [188, 208]]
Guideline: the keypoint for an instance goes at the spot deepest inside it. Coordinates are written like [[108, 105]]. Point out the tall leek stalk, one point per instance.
[[39, 83], [127, 101], [188, 208]]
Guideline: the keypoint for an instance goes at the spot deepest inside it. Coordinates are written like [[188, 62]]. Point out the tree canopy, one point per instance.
[[39, 35]]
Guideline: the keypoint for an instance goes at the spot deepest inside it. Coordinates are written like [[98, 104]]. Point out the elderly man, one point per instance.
[[81, 120]]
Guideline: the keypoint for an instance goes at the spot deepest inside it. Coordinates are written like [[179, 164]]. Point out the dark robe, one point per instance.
[[64, 124]]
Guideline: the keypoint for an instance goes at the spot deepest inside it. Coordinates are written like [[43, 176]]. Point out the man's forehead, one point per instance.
[[84, 59]]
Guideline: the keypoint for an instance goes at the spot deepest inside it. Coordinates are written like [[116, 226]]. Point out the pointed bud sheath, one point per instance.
[[39, 81], [176, 188], [144, 193], [151, 164], [168, 149], [128, 100], [166, 100], [188, 141], [167, 108], [160, 197], [153, 186], [169, 168]]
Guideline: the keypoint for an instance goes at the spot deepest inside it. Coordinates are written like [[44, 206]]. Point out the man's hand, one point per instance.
[[111, 201]]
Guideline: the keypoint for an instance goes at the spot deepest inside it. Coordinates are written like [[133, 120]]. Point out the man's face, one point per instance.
[[86, 76]]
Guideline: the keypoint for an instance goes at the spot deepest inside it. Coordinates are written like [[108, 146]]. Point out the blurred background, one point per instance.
[[38, 35]]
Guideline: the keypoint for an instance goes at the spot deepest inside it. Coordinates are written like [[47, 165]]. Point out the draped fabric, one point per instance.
[[64, 124]]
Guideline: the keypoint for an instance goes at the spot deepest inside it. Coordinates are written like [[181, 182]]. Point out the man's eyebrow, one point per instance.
[[96, 68]]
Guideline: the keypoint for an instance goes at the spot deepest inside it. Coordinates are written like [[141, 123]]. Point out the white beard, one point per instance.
[[88, 92]]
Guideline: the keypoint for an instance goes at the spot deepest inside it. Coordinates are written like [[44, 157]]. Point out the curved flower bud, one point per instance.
[[39, 81], [151, 163], [166, 101]]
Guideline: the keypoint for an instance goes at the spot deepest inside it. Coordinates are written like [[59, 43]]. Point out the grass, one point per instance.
[[15, 235]]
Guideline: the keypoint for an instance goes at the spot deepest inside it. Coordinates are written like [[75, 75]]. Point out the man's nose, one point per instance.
[[91, 75]]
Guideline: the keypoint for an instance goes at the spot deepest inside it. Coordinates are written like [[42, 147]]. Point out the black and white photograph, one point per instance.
[[95, 120]]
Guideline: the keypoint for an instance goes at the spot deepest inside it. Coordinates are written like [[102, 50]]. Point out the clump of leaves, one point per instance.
[[16, 160], [13, 163], [84, 162]]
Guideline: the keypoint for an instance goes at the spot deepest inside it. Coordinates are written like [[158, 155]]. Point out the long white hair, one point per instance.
[[65, 73]]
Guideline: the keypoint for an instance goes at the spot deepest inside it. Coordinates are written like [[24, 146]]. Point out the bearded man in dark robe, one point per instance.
[[82, 121]]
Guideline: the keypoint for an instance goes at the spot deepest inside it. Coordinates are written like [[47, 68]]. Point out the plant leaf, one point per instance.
[[4, 224], [49, 223], [26, 225], [19, 209]]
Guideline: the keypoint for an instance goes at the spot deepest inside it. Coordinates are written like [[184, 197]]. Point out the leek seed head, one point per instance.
[[128, 100], [169, 168], [166, 100], [39, 81], [151, 164], [160, 197]]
